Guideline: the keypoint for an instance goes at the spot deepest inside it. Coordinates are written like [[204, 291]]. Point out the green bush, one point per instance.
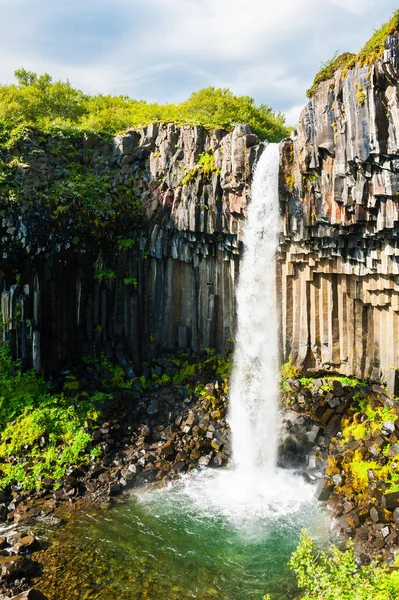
[[36, 101], [44, 429], [371, 51], [336, 575]]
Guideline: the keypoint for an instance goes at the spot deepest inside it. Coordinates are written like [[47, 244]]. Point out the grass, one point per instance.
[[369, 54], [41, 433]]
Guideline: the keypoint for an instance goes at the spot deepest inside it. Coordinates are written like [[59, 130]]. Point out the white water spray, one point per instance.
[[253, 395]]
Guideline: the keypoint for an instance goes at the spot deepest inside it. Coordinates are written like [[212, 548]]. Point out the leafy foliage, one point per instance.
[[355, 464], [371, 51], [328, 70], [335, 574], [46, 429], [39, 102]]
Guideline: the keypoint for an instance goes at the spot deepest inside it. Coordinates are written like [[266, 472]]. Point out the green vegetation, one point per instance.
[[206, 164], [43, 432], [360, 94], [194, 372], [336, 575], [371, 51], [327, 384], [36, 101], [328, 70], [79, 205], [105, 275], [355, 464], [288, 370], [374, 47], [40, 433]]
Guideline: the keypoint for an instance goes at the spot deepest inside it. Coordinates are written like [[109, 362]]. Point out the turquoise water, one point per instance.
[[176, 544]]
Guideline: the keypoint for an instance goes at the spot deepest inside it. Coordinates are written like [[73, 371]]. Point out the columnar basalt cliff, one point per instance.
[[339, 261], [128, 247]]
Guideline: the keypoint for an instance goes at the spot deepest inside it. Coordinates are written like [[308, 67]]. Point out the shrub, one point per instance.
[[336, 575], [371, 51], [39, 102]]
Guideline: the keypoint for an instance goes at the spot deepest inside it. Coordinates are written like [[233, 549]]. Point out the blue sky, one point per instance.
[[162, 50]]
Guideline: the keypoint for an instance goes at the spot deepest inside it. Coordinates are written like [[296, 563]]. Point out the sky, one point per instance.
[[163, 50]]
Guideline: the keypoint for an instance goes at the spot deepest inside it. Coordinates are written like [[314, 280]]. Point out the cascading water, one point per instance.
[[254, 492], [253, 395]]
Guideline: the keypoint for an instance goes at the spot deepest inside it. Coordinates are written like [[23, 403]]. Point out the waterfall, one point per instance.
[[253, 394], [254, 497]]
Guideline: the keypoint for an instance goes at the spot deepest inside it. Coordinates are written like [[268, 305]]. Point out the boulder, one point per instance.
[[31, 594], [12, 567], [392, 500]]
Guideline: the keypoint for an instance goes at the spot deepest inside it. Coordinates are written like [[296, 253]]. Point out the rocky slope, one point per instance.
[[339, 253]]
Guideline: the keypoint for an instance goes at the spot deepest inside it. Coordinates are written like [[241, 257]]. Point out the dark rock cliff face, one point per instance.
[[339, 261], [76, 286]]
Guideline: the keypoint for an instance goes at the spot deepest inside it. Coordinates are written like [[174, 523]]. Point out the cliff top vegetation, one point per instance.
[[371, 51], [36, 101]]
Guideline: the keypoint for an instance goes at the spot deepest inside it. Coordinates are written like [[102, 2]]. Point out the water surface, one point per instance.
[[190, 541]]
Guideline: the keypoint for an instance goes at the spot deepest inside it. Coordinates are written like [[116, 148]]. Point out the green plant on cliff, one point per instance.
[[335, 575], [328, 70], [36, 101], [371, 51], [288, 370], [190, 175], [83, 206], [207, 162], [374, 47], [355, 461], [360, 94]]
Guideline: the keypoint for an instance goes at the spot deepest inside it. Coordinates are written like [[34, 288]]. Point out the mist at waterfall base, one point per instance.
[[217, 534]]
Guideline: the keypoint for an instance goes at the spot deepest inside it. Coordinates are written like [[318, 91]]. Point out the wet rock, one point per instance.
[[385, 531], [31, 594], [337, 389], [337, 479], [12, 567], [204, 461], [387, 428], [3, 513], [28, 542], [394, 451], [167, 449], [392, 500], [178, 466], [114, 488], [146, 431], [153, 408]]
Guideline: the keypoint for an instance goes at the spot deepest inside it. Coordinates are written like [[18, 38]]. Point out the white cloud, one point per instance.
[[164, 49]]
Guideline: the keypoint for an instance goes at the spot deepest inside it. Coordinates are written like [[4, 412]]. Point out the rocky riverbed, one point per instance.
[[149, 436], [155, 436]]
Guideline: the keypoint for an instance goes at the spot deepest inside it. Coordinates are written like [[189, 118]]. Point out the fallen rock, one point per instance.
[[12, 567], [29, 542], [392, 500], [30, 595]]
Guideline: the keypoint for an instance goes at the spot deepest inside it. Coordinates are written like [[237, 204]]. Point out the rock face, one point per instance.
[[339, 261], [164, 285]]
